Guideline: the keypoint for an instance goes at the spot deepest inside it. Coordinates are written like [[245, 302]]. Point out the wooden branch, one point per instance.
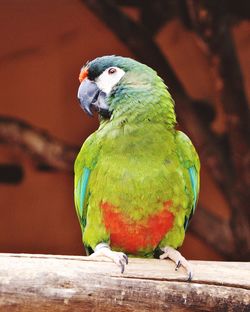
[[43, 148], [68, 283]]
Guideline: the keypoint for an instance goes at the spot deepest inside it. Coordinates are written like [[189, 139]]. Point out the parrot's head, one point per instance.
[[115, 86]]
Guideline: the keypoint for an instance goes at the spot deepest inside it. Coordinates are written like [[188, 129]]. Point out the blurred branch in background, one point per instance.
[[38, 144], [231, 174]]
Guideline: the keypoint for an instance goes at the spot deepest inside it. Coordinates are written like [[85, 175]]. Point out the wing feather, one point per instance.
[[190, 161]]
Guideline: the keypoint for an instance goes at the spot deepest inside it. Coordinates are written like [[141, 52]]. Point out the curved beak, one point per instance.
[[91, 97], [87, 95]]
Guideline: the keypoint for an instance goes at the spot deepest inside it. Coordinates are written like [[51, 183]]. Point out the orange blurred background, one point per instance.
[[43, 46]]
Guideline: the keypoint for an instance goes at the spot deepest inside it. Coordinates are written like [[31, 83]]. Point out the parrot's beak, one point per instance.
[[91, 97]]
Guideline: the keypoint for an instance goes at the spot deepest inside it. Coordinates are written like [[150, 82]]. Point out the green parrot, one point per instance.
[[136, 176]]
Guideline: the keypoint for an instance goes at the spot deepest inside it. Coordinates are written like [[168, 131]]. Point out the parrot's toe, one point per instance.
[[120, 258], [174, 255]]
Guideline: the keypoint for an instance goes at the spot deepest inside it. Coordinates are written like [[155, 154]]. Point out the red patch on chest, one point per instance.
[[132, 235]]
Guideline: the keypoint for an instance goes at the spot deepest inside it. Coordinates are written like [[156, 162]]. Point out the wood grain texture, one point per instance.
[[73, 283]]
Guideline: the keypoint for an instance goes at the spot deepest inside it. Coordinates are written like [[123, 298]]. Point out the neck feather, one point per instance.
[[145, 102]]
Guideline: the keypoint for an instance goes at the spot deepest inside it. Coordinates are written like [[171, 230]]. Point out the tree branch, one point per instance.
[[42, 148], [66, 283]]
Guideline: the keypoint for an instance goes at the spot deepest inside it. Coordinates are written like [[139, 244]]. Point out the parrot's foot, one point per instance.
[[104, 250], [171, 253]]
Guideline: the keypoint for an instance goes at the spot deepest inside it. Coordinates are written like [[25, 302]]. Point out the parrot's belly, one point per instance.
[[137, 196], [139, 236]]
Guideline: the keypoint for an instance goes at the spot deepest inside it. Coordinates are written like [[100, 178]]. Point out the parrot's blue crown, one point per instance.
[[98, 65]]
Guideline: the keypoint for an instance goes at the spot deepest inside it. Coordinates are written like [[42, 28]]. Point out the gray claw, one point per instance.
[[126, 258], [189, 277], [178, 265], [122, 266]]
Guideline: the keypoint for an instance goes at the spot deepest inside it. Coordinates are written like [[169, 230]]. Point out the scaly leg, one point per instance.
[[173, 254], [104, 250]]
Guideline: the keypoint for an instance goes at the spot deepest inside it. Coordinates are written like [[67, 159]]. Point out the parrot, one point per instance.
[[136, 182]]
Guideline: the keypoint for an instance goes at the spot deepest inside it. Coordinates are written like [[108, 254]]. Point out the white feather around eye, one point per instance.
[[109, 78]]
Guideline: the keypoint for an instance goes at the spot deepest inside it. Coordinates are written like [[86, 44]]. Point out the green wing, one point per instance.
[[84, 164], [81, 195], [190, 161], [194, 178]]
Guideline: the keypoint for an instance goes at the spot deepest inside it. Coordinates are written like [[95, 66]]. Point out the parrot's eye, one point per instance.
[[109, 78], [112, 70]]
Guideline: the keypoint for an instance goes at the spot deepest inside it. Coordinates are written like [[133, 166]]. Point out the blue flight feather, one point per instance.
[[194, 180], [83, 188]]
